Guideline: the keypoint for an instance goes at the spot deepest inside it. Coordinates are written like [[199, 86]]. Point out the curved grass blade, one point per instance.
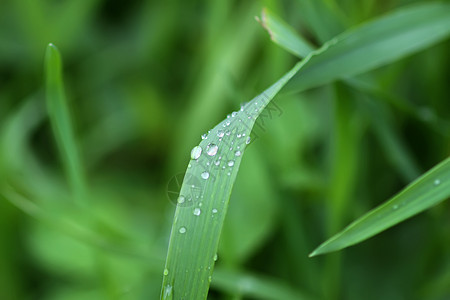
[[374, 44], [284, 35], [425, 192], [204, 196], [61, 122]]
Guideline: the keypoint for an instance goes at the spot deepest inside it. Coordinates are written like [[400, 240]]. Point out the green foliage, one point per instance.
[[87, 166]]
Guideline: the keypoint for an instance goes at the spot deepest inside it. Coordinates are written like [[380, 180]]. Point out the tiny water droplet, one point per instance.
[[220, 133], [209, 278], [204, 136], [217, 162], [166, 272], [395, 206], [214, 211], [189, 165], [247, 141], [437, 182], [181, 199], [238, 135], [167, 292], [228, 122], [182, 229], [205, 175], [237, 153], [211, 150], [229, 173], [196, 152], [197, 211], [227, 132], [234, 114], [215, 257], [231, 163]]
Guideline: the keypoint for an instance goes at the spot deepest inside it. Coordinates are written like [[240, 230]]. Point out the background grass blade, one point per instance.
[[284, 35], [204, 197], [374, 44], [61, 123], [427, 191]]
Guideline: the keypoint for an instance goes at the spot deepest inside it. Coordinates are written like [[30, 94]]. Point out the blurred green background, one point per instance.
[[144, 80]]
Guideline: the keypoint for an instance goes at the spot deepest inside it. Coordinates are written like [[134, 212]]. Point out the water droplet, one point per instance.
[[217, 162], [395, 206], [196, 152], [234, 114], [204, 136], [231, 163], [208, 163], [167, 292], [228, 122], [437, 182], [247, 141], [182, 229], [238, 135], [205, 175], [237, 153], [166, 272], [220, 133], [215, 257], [197, 211], [181, 199], [229, 173], [211, 150], [214, 211], [227, 132], [209, 278], [189, 165]]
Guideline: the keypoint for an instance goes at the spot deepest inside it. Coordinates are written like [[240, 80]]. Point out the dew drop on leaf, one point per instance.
[[197, 211], [437, 182], [231, 163], [182, 229], [211, 150], [196, 152], [205, 175], [237, 153]]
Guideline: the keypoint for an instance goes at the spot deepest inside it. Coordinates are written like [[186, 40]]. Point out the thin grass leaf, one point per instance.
[[61, 123], [427, 191], [204, 197], [374, 44], [254, 286], [284, 35]]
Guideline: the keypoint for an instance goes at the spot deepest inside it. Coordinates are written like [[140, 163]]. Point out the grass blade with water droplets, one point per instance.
[[204, 197], [425, 192]]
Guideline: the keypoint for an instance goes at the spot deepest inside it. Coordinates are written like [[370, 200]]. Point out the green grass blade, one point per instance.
[[254, 286], [284, 35], [204, 197], [61, 123], [371, 45], [425, 192]]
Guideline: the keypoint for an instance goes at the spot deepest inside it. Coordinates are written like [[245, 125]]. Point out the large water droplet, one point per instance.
[[197, 211], [231, 163], [205, 175], [237, 153], [181, 199], [182, 229], [437, 182], [196, 152], [211, 149]]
